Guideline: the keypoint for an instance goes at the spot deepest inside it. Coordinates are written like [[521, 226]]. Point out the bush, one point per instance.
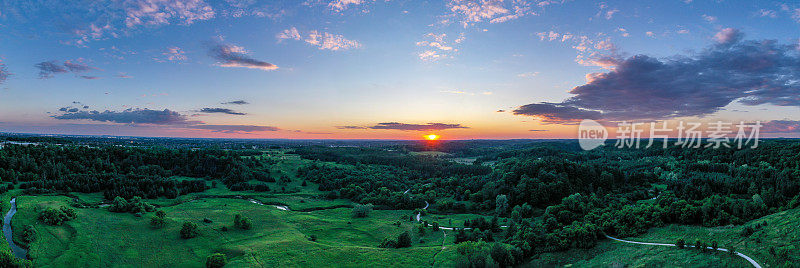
[[29, 234], [158, 222], [216, 260], [242, 222], [189, 230], [52, 216], [362, 211]]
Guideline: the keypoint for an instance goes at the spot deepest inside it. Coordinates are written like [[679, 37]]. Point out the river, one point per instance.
[[18, 251]]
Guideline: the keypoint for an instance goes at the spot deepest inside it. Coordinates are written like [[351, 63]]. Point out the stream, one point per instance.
[[18, 251]]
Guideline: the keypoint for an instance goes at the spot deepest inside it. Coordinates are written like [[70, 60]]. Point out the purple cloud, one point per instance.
[[236, 56], [220, 111], [416, 127], [643, 87], [48, 68], [234, 128], [781, 126], [129, 116]]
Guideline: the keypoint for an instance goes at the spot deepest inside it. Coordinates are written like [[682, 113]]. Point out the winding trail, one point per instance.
[[753, 262]]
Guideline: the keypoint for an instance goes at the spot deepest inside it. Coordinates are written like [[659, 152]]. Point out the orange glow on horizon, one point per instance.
[[431, 137]]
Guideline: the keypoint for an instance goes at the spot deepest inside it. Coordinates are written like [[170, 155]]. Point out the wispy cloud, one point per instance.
[[416, 127], [173, 54], [528, 74], [48, 69], [237, 102], [321, 40], [4, 74], [469, 12], [235, 56], [220, 111], [234, 128]]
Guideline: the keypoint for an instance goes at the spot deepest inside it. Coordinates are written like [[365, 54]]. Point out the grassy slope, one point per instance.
[[781, 230]]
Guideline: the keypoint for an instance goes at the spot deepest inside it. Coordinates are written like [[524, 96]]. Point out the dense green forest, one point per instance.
[[552, 196]]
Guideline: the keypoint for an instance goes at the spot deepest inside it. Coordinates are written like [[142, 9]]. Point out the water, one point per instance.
[[18, 251]]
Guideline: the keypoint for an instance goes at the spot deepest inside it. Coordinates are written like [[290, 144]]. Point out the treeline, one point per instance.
[[126, 171]]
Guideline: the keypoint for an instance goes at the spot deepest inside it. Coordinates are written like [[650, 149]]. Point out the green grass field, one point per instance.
[[780, 231]]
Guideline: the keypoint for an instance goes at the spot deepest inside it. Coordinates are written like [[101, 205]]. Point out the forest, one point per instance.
[[549, 196]]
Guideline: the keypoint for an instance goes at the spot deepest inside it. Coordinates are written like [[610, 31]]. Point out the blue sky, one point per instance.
[[338, 69]]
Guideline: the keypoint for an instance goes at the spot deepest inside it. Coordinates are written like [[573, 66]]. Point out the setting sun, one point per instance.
[[432, 137]]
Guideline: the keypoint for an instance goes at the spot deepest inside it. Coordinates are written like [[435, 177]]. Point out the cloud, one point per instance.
[[351, 127], [709, 18], [416, 127], [554, 113], [236, 56], [220, 111], [781, 126], [728, 36], [48, 68], [157, 12], [528, 74], [237, 102], [129, 116], [698, 84], [341, 5], [174, 54], [234, 128], [469, 12], [538, 130], [767, 13], [592, 51], [4, 74], [501, 111], [148, 117], [89, 77], [77, 66], [123, 75], [321, 40]]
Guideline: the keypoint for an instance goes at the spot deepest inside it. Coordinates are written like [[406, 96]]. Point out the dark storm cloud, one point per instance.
[[781, 126], [416, 127], [48, 68], [234, 128], [129, 116], [555, 113], [235, 56], [644, 87], [237, 102], [220, 111]]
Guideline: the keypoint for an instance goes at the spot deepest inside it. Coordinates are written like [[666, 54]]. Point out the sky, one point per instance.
[[399, 69]]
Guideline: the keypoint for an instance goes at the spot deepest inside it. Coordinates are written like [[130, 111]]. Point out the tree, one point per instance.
[[362, 211], [501, 204], [29, 234], [404, 240], [502, 255], [216, 260], [680, 243], [158, 222], [242, 222], [714, 245], [161, 214], [189, 230]]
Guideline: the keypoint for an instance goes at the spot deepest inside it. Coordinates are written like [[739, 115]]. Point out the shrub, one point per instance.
[[189, 230], [29, 234], [52, 216], [242, 222], [216, 260], [158, 222], [362, 211]]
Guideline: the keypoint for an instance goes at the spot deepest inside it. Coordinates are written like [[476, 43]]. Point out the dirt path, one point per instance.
[[753, 262]]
